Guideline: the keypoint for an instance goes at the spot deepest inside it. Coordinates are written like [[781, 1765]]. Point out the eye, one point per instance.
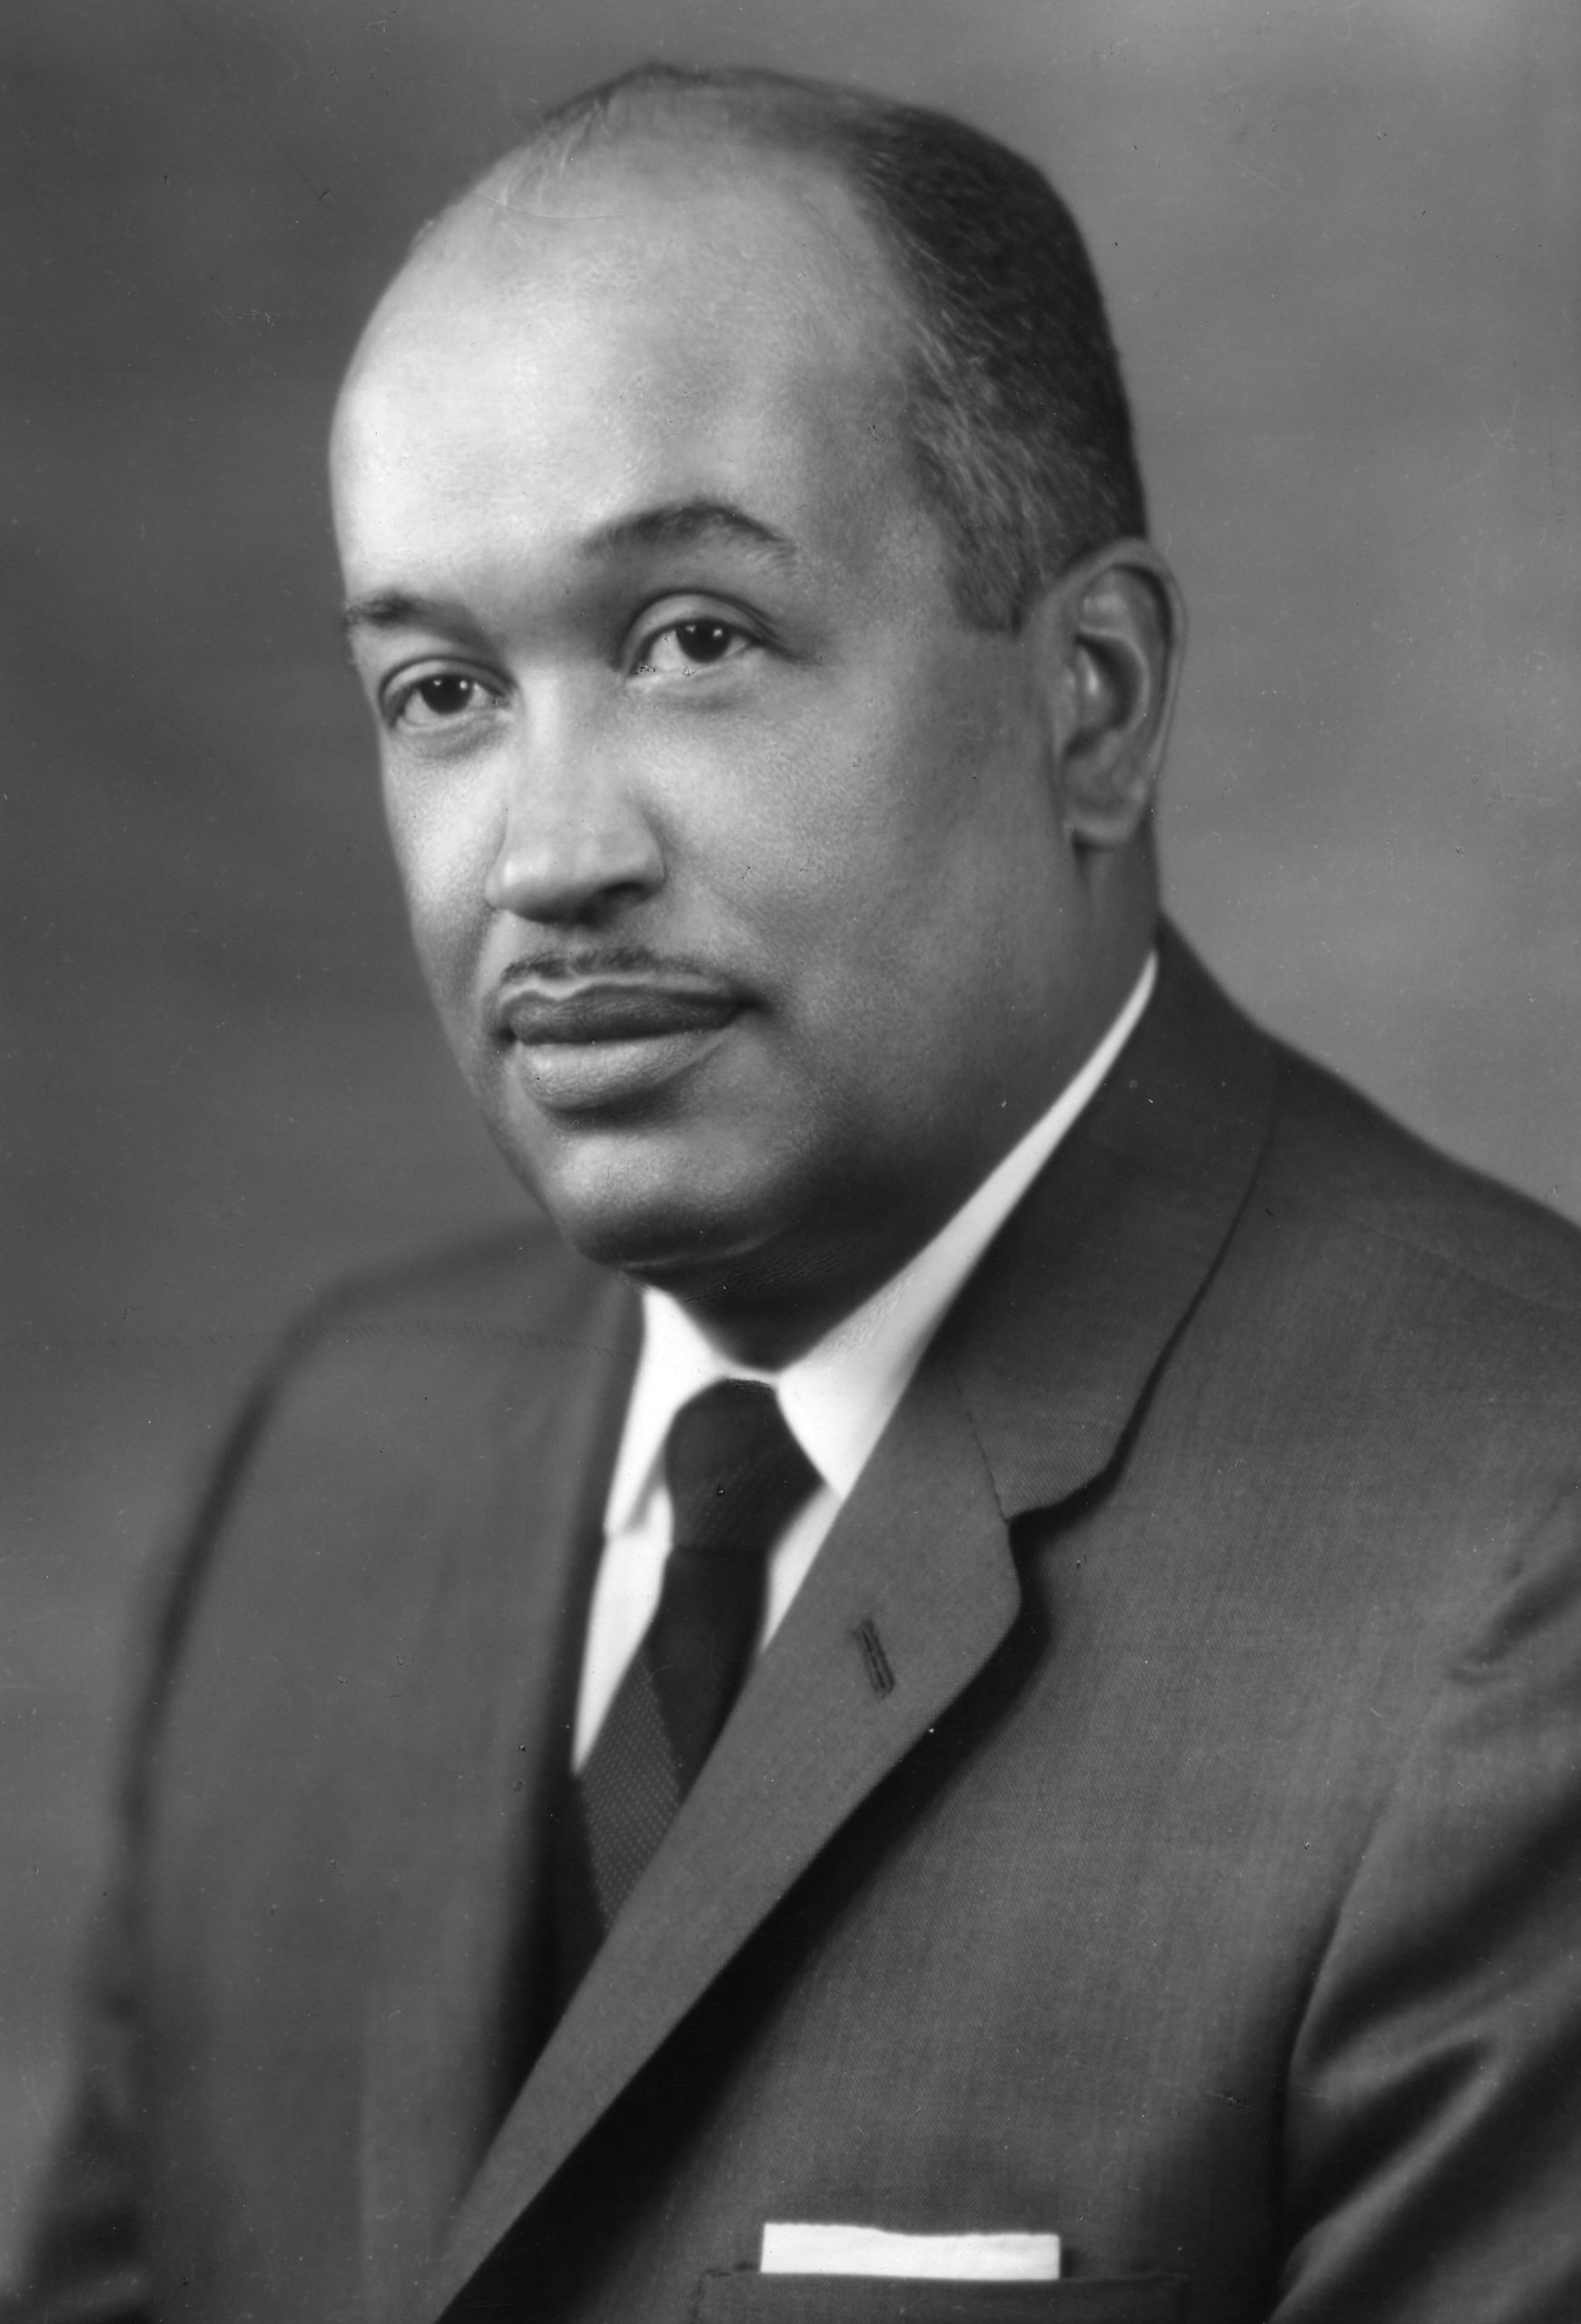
[[685, 648], [441, 698]]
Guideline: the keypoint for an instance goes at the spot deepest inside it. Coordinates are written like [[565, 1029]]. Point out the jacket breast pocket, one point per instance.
[[742, 2296]]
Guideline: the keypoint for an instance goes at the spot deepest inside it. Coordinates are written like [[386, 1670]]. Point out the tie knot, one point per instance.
[[736, 1473]]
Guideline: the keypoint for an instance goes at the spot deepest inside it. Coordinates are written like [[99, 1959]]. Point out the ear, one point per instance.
[[1114, 638]]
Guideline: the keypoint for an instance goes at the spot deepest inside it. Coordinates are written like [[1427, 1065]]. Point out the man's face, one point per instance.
[[734, 856]]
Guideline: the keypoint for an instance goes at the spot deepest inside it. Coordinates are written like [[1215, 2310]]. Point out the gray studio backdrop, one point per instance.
[[1341, 245]]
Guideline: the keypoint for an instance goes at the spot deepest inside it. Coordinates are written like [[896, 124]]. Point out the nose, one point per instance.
[[575, 843]]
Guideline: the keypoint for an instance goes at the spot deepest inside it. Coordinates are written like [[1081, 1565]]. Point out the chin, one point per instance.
[[671, 1227]]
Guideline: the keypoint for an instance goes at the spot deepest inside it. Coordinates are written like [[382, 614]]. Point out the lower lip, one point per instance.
[[591, 1077]]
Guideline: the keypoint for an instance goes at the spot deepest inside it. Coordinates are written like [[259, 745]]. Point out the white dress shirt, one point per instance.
[[837, 1398]]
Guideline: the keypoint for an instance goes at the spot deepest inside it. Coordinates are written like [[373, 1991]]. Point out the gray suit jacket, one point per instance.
[[1158, 1820]]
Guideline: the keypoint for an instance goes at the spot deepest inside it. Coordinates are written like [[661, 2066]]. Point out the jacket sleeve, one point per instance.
[[1433, 2156], [84, 2259], [84, 2264]]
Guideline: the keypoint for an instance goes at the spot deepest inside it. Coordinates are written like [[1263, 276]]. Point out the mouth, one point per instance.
[[587, 1043]]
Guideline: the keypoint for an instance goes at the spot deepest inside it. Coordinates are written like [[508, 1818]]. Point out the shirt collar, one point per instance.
[[837, 1398]]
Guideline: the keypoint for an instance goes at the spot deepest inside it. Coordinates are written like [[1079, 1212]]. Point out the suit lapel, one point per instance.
[[1022, 1399], [1056, 1338], [483, 1734], [908, 1599]]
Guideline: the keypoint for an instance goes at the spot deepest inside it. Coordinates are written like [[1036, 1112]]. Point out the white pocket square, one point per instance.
[[797, 2251]]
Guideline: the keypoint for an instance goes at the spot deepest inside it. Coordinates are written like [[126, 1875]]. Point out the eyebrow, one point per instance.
[[687, 523], [388, 609], [673, 525]]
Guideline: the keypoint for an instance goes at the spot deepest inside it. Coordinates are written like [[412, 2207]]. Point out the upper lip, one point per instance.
[[610, 1007]]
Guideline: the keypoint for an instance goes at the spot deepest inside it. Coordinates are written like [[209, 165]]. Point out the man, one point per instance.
[[980, 1653]]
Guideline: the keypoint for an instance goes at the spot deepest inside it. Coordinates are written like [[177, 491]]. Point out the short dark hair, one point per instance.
[[1015, 406]]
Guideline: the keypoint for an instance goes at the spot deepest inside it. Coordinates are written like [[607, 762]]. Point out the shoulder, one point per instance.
[[1396, 1329], [468, 1333], [391, 1405], [405, 1337], [1357, 1194], [516, 1281]]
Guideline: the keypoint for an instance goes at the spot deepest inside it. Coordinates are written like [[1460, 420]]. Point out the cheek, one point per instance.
[[442, 846], [796, 852], [880, 827], [865, 789], [929, 906]]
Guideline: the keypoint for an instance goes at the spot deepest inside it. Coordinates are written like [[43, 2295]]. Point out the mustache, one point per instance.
[[587, 963]]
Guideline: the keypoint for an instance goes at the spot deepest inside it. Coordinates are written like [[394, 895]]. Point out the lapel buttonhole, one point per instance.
[[874, 1661]]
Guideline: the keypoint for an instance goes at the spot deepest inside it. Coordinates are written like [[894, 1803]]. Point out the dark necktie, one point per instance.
[[736, 1476]]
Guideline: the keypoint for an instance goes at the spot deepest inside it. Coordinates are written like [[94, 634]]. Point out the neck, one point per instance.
[[764, 1329]]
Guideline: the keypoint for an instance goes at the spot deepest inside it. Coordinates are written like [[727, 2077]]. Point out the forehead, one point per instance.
[[655, 327]]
